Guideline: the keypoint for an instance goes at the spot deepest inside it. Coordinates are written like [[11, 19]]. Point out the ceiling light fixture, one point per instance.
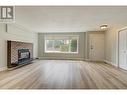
[[104, 26]]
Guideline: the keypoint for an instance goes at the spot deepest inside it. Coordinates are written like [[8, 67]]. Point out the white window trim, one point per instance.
[[45, 51]]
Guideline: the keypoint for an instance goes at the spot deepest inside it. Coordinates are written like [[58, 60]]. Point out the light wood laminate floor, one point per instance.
[[64, 74]]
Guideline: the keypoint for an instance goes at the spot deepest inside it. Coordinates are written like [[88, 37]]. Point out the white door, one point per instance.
[[123, 49], [96, 47]]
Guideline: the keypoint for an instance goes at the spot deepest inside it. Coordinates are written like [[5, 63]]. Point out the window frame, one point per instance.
[[45, 46]]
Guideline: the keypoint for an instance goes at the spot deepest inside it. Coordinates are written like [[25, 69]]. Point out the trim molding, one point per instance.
[[56, 58], [111, 63], [94, 60], [3, 68]]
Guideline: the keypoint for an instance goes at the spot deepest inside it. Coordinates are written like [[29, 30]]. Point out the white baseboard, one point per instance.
[[3, 68], [108, 62], [56, 58], [94, 60]]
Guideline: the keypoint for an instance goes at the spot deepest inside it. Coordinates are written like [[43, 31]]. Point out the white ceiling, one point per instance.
[[70, 19]]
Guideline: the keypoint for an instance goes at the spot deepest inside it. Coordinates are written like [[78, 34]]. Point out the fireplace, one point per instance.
[[23, 54], [19, 53]]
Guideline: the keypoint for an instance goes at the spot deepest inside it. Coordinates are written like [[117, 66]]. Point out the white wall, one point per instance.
[[14, 33]]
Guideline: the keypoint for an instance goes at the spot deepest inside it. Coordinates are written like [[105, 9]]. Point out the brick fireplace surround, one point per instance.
[[12, 50]]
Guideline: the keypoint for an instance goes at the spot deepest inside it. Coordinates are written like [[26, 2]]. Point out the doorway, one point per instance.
[[123, 49], [96, 47]]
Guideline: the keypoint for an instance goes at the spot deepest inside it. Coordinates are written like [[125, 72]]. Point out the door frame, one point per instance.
[[117, 60], [88, 38]]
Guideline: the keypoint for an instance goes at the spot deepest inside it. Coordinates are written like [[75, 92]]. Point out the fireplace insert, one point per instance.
[[23, 56]]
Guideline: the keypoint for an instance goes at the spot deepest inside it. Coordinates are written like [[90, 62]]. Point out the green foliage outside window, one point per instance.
[[73, 45]]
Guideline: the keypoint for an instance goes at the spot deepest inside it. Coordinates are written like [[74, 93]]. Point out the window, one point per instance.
[[61, 44]]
